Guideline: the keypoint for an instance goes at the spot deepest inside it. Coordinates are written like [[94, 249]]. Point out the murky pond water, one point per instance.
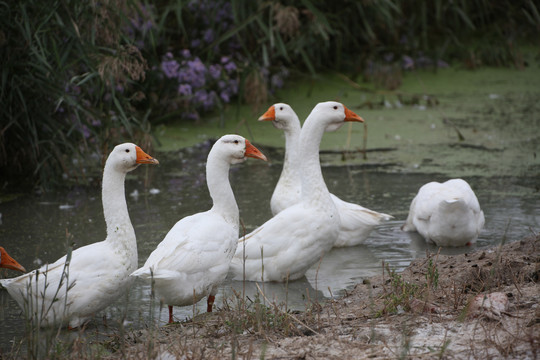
[[36, 229], [497, 112]]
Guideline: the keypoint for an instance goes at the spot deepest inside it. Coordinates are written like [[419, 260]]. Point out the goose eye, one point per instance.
[[281, 108], [236, 141], [127, 150], [335, 107]]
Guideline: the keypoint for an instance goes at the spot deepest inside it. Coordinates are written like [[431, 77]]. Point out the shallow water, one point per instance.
[[495, 110], [33, 228]]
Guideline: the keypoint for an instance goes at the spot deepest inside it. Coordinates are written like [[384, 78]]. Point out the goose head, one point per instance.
[[281, 115], [8, 262], [234, 149], [333, 114], [127, 157]]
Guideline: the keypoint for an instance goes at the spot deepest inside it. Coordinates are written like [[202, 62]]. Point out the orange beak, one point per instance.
[[144, 158], [351, 116], [252, 151], [8, 262], [269, 115]]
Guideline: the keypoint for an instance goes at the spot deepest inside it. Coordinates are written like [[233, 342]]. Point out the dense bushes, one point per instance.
[[78, 77], [67, 86]]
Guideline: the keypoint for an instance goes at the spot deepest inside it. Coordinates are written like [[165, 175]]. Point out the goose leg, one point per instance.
[[171, 320], [210, 303]]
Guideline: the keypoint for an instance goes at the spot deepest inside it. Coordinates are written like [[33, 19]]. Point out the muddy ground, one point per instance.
[[479, 305]]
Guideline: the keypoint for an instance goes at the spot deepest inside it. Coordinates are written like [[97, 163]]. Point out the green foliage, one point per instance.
[[254, 316], [474, 32], [399, 295], [432, 275], [79, 77], [65, 86]]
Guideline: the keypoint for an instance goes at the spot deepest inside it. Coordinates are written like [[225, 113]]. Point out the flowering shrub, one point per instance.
[[80, 76], [200, 87], [204, 70]]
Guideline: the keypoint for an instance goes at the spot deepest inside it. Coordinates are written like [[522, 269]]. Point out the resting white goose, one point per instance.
[[7, 262], [286, 246], [71, 290], [446, 214], [357, 222], [194, 257]]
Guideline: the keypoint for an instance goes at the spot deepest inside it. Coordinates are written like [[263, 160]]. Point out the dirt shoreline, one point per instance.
[[427, 311]]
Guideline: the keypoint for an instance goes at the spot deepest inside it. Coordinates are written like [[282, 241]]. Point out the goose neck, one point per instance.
[[291, 165], [119, 228], [313, 185], [219, 187]]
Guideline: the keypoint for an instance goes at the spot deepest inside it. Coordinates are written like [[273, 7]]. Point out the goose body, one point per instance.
[[194, 257], [357, 222], [76, 286], [446, 214], [288, 244]]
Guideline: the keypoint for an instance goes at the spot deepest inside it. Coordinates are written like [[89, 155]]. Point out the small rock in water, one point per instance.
[[154, 191]]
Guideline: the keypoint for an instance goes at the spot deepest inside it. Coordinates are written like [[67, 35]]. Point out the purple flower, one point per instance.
[[230, 67], [197, 65], [195, 43], [408, 62], [204, 99], [184, 89], [170, 66], [200, 96], [185, 53], [208, 36], [193, 72], [215, 71], [225, 96]]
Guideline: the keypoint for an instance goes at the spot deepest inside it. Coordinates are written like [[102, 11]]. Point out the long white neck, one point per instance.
[[291, 165], [217, 179], [119, 229], [313, 186]]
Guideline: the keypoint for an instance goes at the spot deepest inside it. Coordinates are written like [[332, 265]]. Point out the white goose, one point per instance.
[[7, 262], [446, 214], [357, 222], [289, 243], [194, 257], [72, 289]]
